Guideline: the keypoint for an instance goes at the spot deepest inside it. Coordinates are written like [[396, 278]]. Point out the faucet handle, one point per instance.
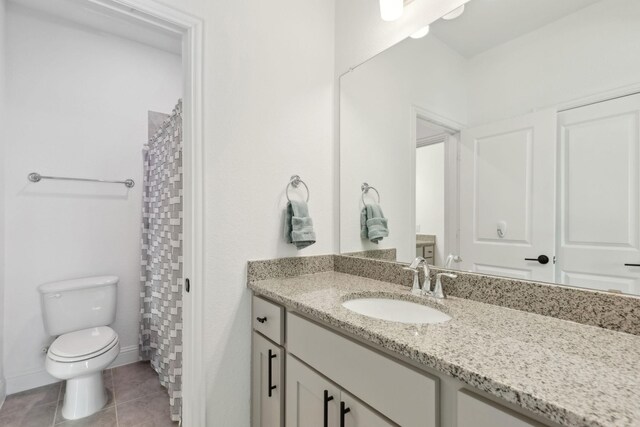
[[438, 291], [415, 288]]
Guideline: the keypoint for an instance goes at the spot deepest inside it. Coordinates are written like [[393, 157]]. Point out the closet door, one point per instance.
[[312, 401], [507, 197], [599, 215]]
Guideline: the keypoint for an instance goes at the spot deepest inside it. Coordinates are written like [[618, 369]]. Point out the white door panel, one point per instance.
[[507, 176], [599, 195]]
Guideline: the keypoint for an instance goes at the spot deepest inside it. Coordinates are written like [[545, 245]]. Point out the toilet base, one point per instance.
[[84, 396]]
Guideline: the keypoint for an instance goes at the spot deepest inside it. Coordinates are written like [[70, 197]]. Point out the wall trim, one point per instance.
[[127, 356], [3, 391], [40, 377], [29, 380]]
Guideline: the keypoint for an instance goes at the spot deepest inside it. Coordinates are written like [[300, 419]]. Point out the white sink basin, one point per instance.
[[396, 310]]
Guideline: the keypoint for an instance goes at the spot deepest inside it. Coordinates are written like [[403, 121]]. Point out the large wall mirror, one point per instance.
[[505, 142]]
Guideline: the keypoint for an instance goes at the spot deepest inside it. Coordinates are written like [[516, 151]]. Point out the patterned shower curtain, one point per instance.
[[161, 263]]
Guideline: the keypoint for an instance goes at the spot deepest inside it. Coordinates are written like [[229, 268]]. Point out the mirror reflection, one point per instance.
[[505, 141]]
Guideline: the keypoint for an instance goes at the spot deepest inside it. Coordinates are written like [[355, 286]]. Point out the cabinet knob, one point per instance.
[[261, 319]]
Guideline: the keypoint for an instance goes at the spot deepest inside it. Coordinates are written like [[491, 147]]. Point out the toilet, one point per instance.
[[78, 312]]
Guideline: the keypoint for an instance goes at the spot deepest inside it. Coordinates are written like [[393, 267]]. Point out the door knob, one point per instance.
[[542, 259]]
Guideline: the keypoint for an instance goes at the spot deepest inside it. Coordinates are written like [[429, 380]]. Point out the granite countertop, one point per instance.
[[573, 374], [425, 239]]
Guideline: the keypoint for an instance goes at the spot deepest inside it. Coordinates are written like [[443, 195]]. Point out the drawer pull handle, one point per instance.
[[343, 411], [327, 399], [632, 265], [261, 319], [270, 385]]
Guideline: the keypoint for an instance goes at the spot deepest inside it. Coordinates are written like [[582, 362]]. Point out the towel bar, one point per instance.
[[365, 189], [295, 182], [36, 177]]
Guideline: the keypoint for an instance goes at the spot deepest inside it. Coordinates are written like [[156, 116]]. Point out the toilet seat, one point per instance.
[[83, 345]]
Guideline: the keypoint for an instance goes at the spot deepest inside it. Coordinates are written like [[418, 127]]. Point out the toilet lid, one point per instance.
[[84, 342]]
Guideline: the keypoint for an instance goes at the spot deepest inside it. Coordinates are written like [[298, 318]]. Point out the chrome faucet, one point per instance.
[[426, 286], [450, 259]]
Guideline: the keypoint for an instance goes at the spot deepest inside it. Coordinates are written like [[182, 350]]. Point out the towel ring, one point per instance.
[[365, 189], [295, 182]]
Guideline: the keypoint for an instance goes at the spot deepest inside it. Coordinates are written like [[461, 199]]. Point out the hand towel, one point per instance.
[[298, 226], [373, 224]]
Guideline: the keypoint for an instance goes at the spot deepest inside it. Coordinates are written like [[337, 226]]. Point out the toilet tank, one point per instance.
[[75, 304]]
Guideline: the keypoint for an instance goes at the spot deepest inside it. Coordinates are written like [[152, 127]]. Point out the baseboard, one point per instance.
[[3, 391], [127, 355], [33, 379], [29, 380]]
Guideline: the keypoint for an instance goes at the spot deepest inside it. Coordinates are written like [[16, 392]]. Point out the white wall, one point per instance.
[[377, 142], [2, 160], [269, 115], [77, 105], [589, 52], [430, 202]]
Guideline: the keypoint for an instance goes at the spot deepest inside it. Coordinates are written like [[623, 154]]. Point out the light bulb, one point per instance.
[[390, 10], [454, 13], [420, 33]]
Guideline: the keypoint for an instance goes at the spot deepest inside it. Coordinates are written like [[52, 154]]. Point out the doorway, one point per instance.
[[436, 186], [155, 19]]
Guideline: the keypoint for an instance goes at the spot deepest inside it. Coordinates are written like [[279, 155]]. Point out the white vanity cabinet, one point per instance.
[[313, 401], [305, 374]]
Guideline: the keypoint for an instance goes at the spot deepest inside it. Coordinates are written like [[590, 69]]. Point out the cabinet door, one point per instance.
[[474, 411], [267, 383], [312, 401], [354, 413]]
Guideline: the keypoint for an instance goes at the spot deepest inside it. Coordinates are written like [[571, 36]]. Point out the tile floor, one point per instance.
[[136, 398]]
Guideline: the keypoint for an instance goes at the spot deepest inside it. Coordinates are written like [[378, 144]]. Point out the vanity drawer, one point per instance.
[[268, 319], [404, 395]]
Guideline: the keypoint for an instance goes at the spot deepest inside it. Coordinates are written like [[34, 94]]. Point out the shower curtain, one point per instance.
[[161, 262]]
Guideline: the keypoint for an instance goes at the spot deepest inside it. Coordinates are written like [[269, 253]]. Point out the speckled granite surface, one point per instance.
[[386, 271], [384, 254], [604, 309], [573, 374], [287, 267], [425, 239], [607, 310]]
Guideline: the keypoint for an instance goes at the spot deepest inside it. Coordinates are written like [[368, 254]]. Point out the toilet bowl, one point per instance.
[[79, 358], [78, 311]]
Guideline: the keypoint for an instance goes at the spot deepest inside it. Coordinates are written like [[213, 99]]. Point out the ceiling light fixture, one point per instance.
[[454, 13], [420, 33], [390, 10]]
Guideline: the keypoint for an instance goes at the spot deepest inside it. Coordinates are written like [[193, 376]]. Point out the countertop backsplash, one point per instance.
[[617, 312]]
